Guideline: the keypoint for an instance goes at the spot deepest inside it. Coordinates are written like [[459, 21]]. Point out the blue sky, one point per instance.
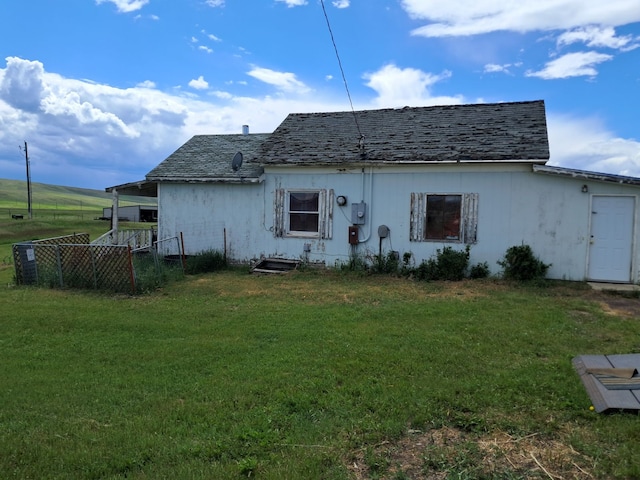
[[104, 90]]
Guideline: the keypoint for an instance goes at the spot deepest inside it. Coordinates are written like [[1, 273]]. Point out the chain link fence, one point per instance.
[[72, 262]]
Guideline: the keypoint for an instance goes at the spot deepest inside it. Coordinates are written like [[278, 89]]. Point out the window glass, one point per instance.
[[443, 217], [304, 214]]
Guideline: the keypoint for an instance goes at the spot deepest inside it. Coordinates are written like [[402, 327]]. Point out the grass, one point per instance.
[[49, 198], [231, 375]]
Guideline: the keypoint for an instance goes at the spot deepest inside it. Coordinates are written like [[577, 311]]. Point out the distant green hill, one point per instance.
[[13, 194]]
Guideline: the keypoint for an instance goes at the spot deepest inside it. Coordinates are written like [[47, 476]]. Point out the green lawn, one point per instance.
[[308, 375]]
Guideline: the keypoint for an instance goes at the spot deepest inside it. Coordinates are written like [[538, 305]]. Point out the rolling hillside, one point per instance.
[[13, 194]]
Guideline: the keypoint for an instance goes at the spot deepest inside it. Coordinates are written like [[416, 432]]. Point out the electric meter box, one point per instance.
[[358, 213]]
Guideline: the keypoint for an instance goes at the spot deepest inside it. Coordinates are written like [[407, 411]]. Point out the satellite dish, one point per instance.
[[236, 163]]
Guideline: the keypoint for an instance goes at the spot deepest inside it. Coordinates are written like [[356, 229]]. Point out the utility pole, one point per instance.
[[26, 158]]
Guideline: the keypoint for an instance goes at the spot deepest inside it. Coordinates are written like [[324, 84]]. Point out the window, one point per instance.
[[303, 213], [444, 217]]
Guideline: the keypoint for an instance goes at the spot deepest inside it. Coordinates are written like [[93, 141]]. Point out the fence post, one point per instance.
[[182, 256], [93, 267], [59, 262], [131, 272]]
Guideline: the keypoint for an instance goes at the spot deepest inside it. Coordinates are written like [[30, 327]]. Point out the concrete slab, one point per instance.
[[614, 287]]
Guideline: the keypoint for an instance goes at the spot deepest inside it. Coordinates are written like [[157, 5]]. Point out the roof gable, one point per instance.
[[454, 133], [207, 158]]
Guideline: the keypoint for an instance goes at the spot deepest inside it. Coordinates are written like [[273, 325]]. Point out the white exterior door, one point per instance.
[[610, 250]]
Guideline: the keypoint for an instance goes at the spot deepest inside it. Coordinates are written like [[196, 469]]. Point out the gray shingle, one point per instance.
[[479, 132], [207, 158]]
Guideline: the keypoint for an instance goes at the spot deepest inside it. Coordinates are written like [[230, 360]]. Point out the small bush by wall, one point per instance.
[[520, 263], [448, 264]]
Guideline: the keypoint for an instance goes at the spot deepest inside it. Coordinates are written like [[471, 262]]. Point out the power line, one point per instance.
[[344, 78]]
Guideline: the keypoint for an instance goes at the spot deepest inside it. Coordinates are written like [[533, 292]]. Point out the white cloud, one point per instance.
[[293, 3], [576, 64], [284, 81], [585, 144], [595, 37], [505, 68], [215, 3], [199, 84], [206, 49], [398, 87], [341, 3], [146, 84], [21, 86], [473, 17], [126, 6]]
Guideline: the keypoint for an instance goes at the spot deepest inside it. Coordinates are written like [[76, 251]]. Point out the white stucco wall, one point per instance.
[[515, 206]]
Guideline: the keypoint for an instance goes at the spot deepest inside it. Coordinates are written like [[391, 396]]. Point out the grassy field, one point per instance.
[[311, 375], [58, 202]]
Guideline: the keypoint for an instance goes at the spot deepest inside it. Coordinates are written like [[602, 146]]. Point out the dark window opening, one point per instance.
[[443, 217]]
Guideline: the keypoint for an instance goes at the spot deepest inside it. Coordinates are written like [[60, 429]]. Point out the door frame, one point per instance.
[[632, 268]]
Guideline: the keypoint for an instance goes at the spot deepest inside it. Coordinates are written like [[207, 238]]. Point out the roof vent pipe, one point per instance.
[[245, 129]]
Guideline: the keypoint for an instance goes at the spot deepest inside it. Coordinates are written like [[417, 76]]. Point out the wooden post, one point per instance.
[[114, 218], [132, 276], [184, 258]]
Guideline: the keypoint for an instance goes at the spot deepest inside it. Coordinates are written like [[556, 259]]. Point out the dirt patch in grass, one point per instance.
[[445, 452], [619, 305]]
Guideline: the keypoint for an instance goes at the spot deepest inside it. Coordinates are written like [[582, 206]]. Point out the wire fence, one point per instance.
[[72, 262]]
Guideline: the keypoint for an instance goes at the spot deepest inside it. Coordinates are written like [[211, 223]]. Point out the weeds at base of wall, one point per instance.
[[446, 264], [153, 273]]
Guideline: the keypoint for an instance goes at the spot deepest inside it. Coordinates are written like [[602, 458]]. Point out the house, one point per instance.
[[327, 186], [133, 213]]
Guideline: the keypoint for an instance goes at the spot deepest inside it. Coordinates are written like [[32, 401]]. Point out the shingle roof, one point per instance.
[[207, 158], [458, 133]]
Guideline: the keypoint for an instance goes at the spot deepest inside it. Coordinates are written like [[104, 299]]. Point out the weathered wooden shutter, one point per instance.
[[326, 201], [470, 218], [418, 214], [278, 212]]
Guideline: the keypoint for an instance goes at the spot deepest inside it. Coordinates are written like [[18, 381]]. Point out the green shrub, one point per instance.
[[389, 263], [204, 262], [520, 263], [480, 270], [448, 264]]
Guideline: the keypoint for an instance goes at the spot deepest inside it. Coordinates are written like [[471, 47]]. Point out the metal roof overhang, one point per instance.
[[587, 175], [142, 188]]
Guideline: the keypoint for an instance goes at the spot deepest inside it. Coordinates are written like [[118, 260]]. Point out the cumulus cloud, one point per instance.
[[576, 64], [215, 3], [285, 81], [594, 36], [399, 87], [473, 17], [341, 3], [126, 6], [199, 84], [586, 144], [21, 86]]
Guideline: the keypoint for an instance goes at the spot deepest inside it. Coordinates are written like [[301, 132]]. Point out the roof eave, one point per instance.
[[225, 180], [587, 175]]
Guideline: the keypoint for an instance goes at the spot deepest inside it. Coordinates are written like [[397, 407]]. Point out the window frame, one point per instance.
[[443, 211], [282, 213], [468, 217], [289, 212]]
